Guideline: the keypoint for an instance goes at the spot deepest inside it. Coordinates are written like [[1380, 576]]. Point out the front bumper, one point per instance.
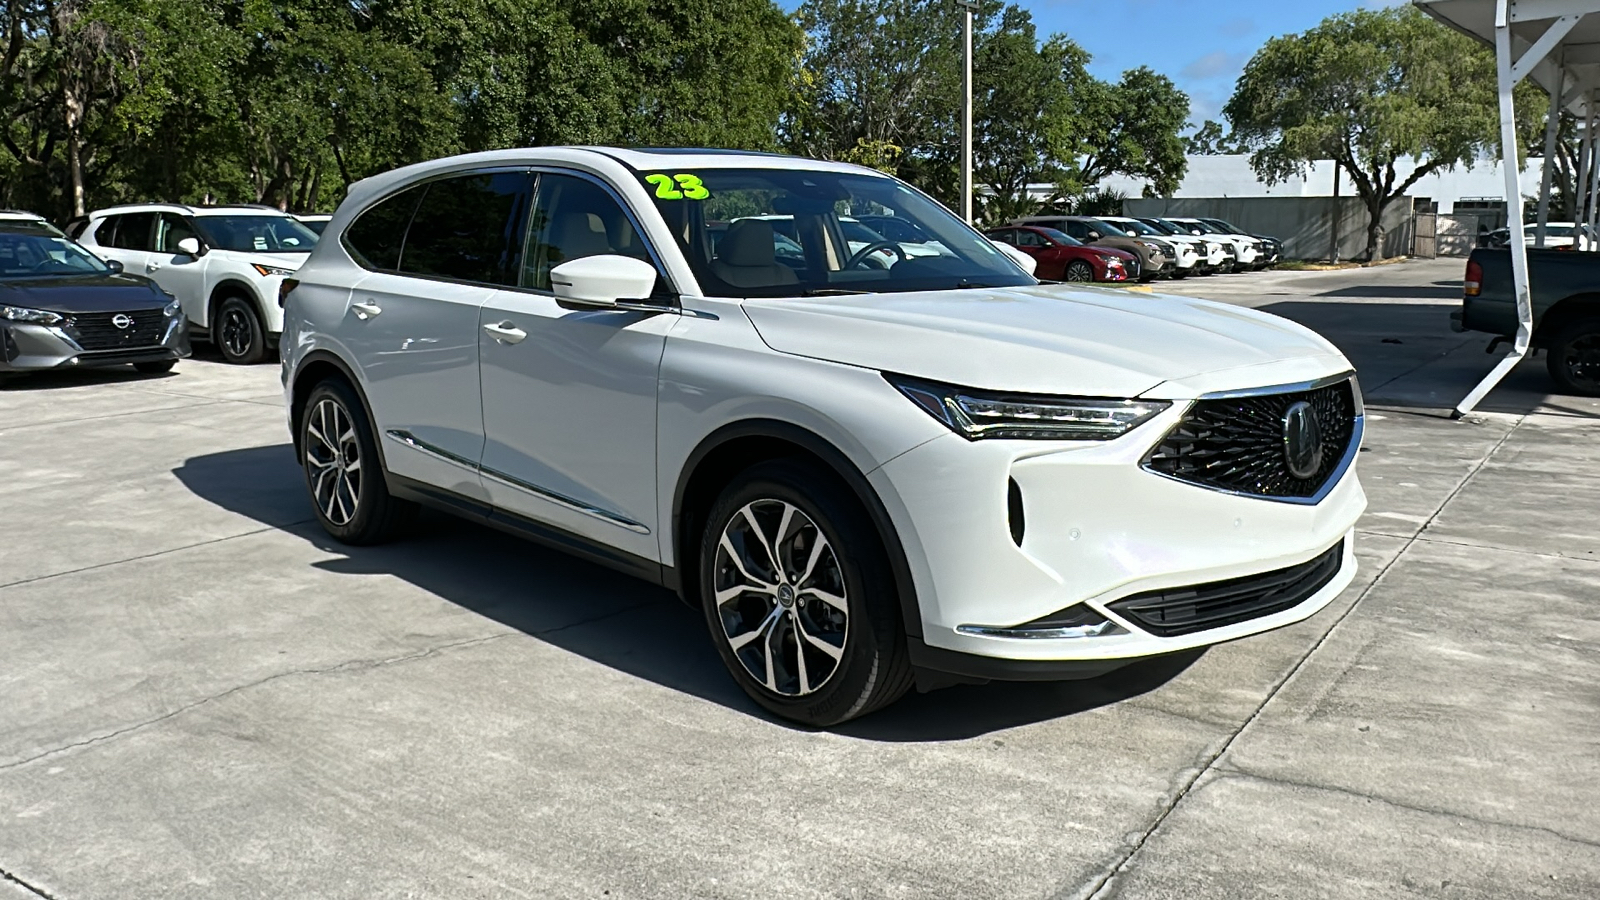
[[31, 347], [1097, 529]]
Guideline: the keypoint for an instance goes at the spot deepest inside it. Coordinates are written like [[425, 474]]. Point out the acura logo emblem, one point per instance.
[[122, 321], [1302, 440]]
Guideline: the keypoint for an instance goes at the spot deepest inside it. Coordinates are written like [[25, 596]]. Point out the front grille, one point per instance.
[[1186, 610], [96, 331], [1241, 444]]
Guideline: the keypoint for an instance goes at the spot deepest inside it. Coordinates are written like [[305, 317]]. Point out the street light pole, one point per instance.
[[967, 6]]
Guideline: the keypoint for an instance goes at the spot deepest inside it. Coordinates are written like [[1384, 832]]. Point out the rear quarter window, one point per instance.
[[376, 237]]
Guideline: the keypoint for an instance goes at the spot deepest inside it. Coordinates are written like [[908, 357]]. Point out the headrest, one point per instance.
[[749, 242], [580, 234]]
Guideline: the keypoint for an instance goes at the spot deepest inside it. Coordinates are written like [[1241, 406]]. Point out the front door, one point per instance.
[[569, 394], [178, 273]]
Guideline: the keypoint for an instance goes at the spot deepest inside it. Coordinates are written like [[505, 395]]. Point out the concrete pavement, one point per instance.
[[202, 696]]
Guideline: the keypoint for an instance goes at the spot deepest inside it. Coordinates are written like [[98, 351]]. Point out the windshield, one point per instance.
[[1060, 237], [1197, 226], [1105, 228], [1223, 227], [1163, 226], [1134, 226], [794, 232], [255, 234], [39, 251]]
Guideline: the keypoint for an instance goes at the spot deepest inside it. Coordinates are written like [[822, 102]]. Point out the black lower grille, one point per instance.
[[100, 331], [1245, 445], [1186, 610]]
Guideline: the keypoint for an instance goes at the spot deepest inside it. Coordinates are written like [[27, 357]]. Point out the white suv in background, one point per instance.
[[223, 263], [864, 476], [1247, 250]]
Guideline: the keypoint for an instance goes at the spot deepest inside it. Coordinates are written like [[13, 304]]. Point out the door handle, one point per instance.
[[151, 267], [506, 333], [365, 311]]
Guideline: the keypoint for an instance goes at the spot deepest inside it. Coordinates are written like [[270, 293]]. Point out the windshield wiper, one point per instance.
[[830, 292], [964, 283]]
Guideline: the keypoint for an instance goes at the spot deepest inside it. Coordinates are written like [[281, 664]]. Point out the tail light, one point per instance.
[[1473, 284], [284, 287]]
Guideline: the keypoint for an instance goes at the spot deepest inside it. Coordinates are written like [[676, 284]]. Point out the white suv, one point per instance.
[[223, 263], [864, 476]]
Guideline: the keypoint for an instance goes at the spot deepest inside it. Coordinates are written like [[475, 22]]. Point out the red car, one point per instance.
[[1062, 257]]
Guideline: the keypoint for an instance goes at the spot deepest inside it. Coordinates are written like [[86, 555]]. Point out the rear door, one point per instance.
[[180, 274], [126, 238], [436, 252]]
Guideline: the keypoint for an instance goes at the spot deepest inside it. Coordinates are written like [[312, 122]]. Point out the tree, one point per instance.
[[1132, 129], [1364, 89], [1209, 140]]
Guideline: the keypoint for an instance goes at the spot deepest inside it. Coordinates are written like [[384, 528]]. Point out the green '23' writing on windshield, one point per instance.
[[678, 187]]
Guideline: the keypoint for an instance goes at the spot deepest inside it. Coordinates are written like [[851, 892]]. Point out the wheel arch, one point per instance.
[[317, 367], [1566, 311], [233, 287], [731, 449]]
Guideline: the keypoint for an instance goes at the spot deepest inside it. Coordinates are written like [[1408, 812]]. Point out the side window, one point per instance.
[[375, 237], [1006, 235], [171, 230], [573, 218], [470, 228], [1077, 230], [1029, 239], [132, 231]]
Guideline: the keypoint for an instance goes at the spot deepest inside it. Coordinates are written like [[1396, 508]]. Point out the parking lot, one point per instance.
[[203, 696]]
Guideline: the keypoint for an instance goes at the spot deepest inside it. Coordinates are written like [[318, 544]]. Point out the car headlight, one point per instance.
[[982, 414], [269, 271], [1151, 245], [31, 316], [171, 309]]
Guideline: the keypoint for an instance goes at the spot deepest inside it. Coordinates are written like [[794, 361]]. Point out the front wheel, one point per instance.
[[238, 332], [799, 596], [343, 471], [1574, 358], [1078, 270]]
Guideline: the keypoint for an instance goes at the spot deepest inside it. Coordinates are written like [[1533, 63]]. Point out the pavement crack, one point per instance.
[[1104, 885], [120, 415], [35, 890], [117, 562], [1230, 771], [349, 666]]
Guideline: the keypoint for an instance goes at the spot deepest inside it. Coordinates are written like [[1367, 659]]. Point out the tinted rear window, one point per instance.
[[375, 238], [127, 232], [469, 228]]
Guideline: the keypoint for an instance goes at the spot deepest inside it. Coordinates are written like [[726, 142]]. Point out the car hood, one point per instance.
[[1051, 339], [83, 293]]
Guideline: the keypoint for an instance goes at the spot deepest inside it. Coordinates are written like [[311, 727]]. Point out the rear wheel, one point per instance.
[[1078, 270], [799, 597], [343, 471], [238, 332], [1574, 357]]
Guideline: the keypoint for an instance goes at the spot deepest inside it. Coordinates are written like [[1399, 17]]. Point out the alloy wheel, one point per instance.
[[333, 461], [1080, 271], [780, 597], [237, 332], [1581, 358]]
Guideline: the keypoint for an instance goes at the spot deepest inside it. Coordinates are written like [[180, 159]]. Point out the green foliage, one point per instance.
[[1133, 128], [1364, 89], [1210, 140]]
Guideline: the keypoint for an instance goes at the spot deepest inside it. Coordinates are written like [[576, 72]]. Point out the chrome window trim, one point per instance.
[[408, 439]]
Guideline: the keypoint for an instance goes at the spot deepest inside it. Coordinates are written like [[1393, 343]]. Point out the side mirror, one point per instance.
[[114, 266], [1095, 235], [1026, 262], [190, 247], [603, 280]]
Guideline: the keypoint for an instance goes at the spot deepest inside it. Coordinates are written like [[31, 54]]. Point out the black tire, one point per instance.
[[358, 510], [872, 667], [1179, 273], [1078, 270], [155, 368], [238, 333], [1573, 357]]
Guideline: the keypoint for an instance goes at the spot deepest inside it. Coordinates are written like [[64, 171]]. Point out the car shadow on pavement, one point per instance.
[[613, 619], [57, 379]]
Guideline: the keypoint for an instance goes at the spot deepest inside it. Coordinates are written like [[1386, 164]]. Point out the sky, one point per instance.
[[1200, 44]]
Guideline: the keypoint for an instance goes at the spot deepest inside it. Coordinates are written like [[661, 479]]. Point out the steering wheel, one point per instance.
[[862, 254], [50, 263]]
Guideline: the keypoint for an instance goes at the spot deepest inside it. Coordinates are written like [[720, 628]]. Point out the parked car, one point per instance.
[[863, 477], [223, 263], [1271, 247], [1060, 257], [61, 307], [1557, 236], [1156, 257], [1188, 255], [1566, 313], [1247, 250], [1218, 253], [314, 221], [17, 215]]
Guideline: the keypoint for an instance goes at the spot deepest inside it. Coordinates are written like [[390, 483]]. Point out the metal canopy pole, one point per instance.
[[966, 110], [1551, 126], [1518, 243]]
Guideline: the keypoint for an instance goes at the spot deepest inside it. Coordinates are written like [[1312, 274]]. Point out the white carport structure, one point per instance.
[[1557, 44]]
